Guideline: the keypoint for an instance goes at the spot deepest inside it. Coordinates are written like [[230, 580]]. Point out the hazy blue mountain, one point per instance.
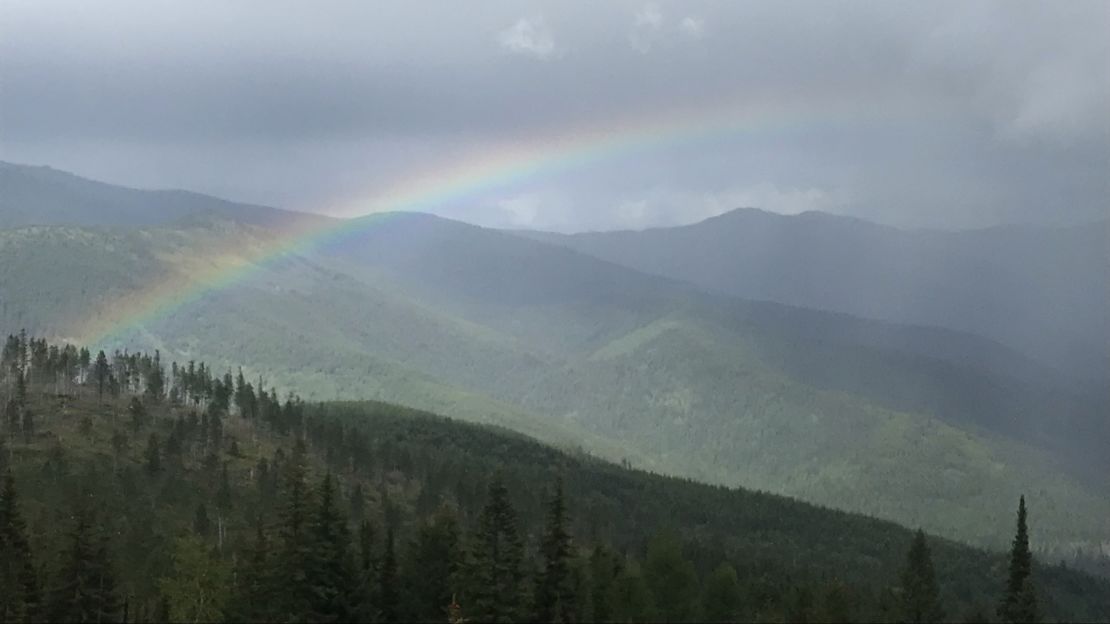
[[45, 196], [1038, 289]]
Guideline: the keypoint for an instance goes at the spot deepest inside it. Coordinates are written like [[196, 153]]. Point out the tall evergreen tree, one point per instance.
[[20, 598], [498, 592], [920, 597], [101, 371], [294, 539], [85, 590], [605, 567], [367, 586], [389, 598], [332, 576], [155, 382], [432, 568], [1019, 603], [253, 595], [555, 599]]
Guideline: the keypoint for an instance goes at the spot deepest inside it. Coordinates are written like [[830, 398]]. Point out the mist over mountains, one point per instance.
[[920, 424], [1040, 290]]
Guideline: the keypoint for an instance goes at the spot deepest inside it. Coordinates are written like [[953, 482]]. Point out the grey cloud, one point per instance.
[[309, 105]]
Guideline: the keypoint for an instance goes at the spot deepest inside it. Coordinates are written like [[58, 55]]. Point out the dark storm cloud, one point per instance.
[[311, 105]]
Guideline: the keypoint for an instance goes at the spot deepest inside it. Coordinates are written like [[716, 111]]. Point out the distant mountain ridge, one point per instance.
[[39, 195], [1042, 290]]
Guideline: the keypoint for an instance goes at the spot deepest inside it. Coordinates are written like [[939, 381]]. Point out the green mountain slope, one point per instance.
[[911, 424], [401, 470], [643, 375]]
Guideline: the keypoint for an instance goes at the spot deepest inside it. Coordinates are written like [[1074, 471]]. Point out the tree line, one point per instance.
[[305, 548]]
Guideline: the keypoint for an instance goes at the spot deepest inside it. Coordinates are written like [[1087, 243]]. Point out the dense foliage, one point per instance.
[[143, 491]]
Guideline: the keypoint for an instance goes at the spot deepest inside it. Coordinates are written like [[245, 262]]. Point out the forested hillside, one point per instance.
[[910, 424], [142, 490]]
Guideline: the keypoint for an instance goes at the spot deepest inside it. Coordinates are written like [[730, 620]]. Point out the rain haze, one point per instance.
[[554, 311], [945, 115]]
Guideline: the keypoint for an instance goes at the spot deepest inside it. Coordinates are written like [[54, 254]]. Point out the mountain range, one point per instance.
[[1040, 290], [632, 350]]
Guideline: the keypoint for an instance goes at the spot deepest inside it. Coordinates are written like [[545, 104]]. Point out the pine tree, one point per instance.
[[155, 382], [1019, 604], [721, 602], [19, 586], [555, 599], [605, 567], [294, 540], [499, 561], [389, 594], [920, 597], [332, 575], [253, 596], [432, 568], [101, 372], [366, 575], [85, 590]]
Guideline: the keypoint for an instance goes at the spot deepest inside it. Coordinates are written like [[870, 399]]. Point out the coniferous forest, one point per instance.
[[140, 490]]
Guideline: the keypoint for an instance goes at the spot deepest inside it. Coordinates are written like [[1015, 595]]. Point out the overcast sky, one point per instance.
[[910, 113]]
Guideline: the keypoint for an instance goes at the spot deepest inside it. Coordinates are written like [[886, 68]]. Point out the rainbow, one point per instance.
[[500, 167]]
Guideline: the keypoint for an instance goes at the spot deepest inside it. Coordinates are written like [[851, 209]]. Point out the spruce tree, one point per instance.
[[555, 599], [366, 575], [20, 598], [920, 597], [332, 576], [253, 595], [294, 540], [605, 567], [498, 592], [85, 590], [101, 372], [389, 598], [1019, 603], [432, 568]]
